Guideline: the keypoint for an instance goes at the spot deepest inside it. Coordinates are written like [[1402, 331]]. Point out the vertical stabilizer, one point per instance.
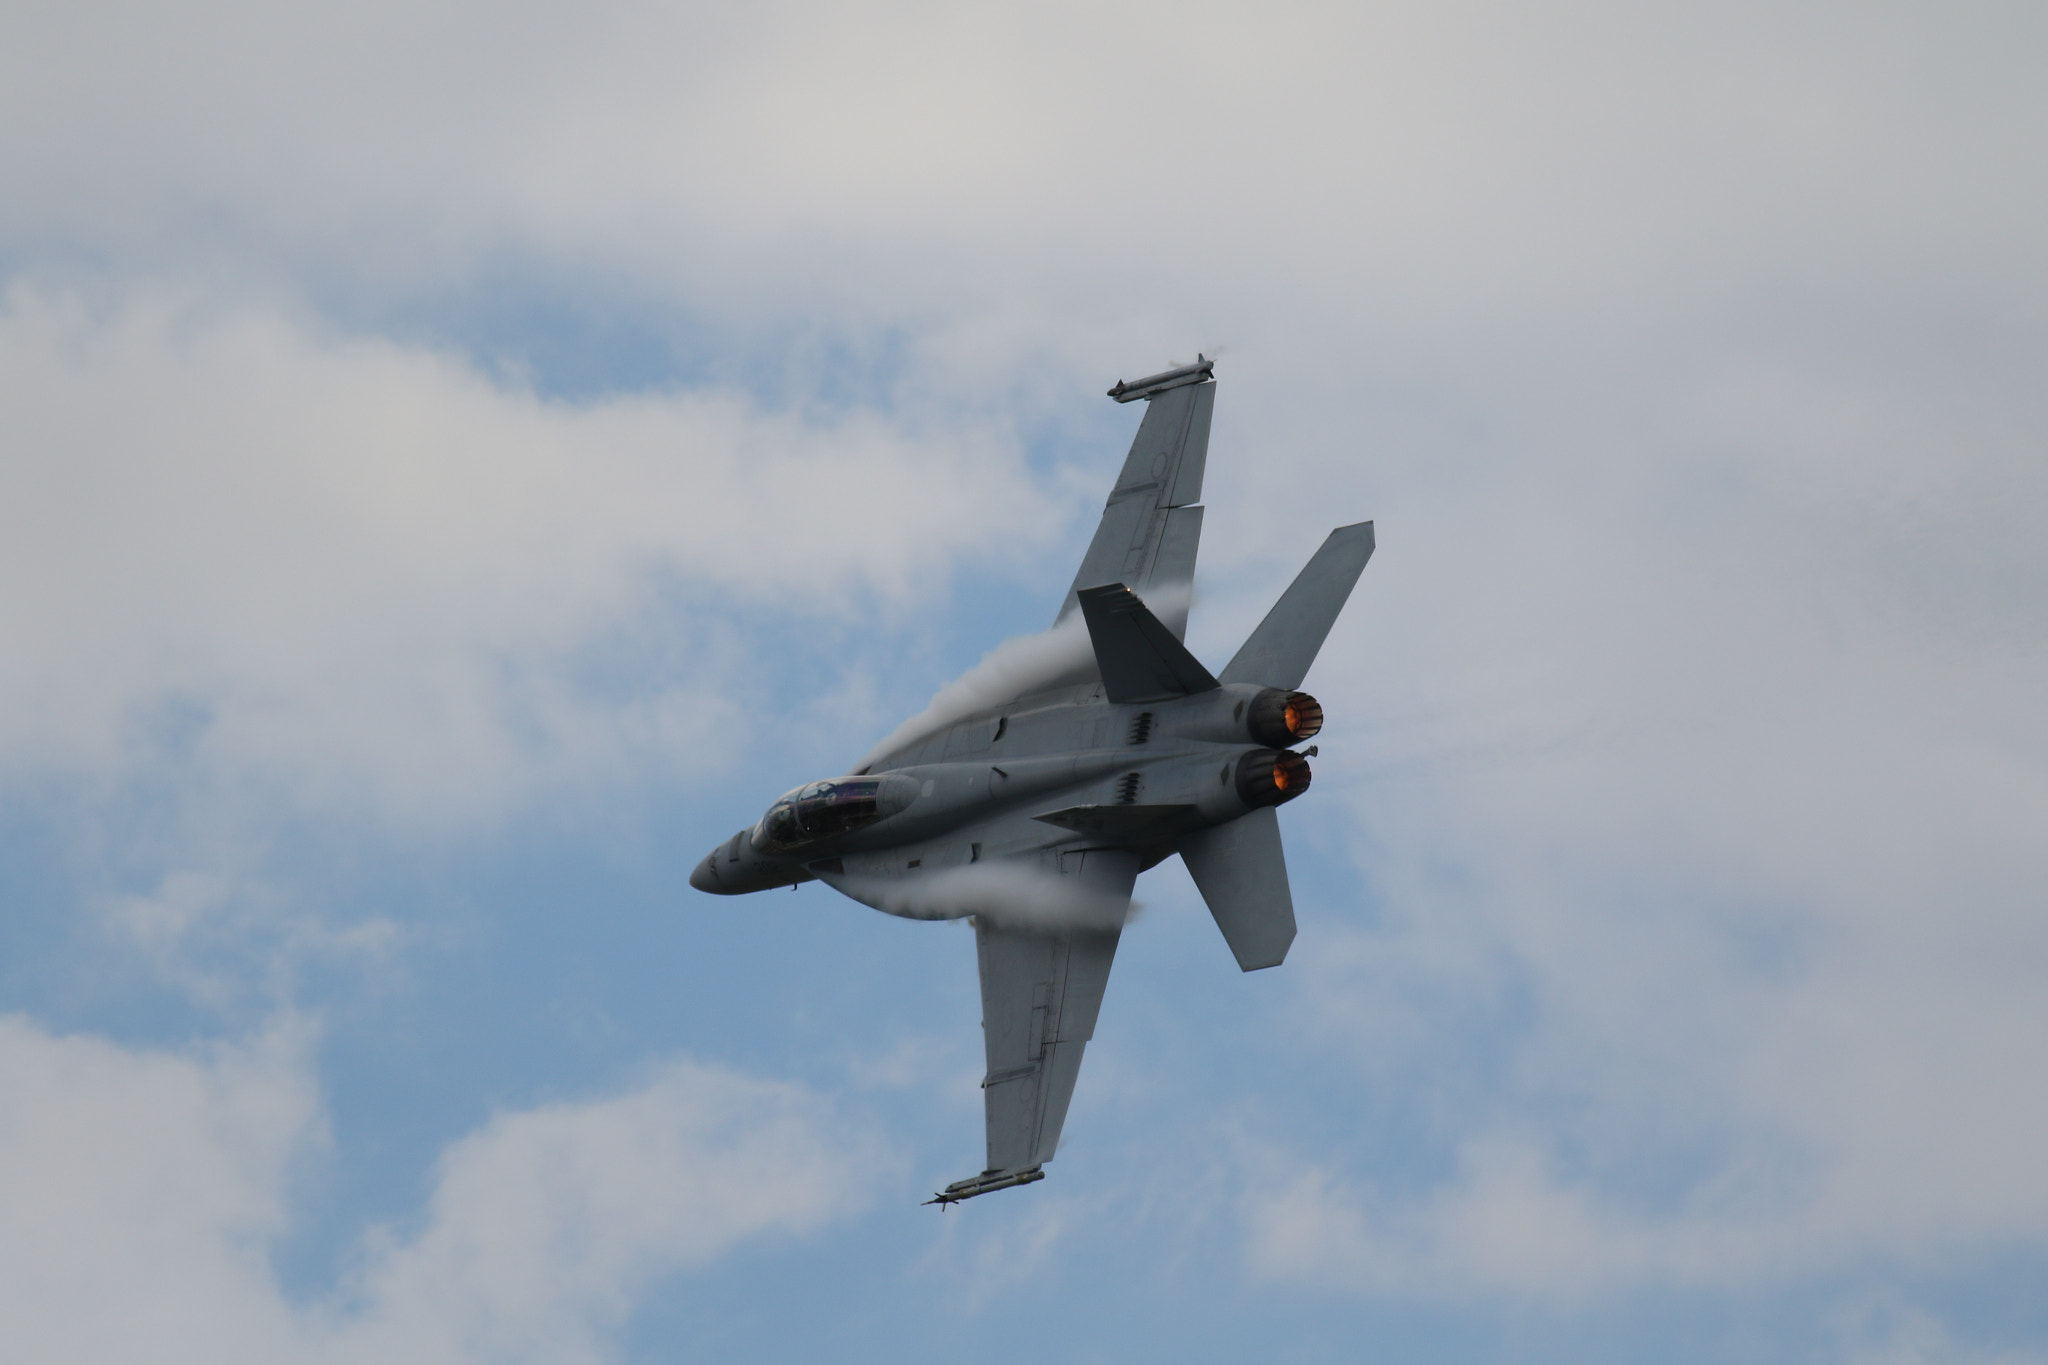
[[1285, 644], [1139, 658], [1242, 874]]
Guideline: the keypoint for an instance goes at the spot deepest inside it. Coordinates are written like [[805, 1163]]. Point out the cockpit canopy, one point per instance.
[[821, 810]]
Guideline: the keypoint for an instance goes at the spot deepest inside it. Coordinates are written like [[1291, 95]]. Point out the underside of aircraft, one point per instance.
[[1033, 813]]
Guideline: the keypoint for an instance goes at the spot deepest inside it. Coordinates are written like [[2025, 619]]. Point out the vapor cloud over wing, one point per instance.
[[1003, 892], [1059, 657]]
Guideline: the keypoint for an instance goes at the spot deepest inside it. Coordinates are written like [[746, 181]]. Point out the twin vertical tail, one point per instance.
[[1279, 652], [1240, 868]]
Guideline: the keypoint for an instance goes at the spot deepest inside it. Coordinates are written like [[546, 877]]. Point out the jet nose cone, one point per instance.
[[705, 877]]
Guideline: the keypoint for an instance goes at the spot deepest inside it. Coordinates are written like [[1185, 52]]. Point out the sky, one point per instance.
[[462, 462]]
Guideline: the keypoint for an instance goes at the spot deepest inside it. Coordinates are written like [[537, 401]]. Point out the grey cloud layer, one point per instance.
[[1455, 167]]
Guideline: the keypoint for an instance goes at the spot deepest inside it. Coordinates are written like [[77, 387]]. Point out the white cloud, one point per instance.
[[228, 937], [547, 1224], [345, 574], [1703, 938], [140, 1192]]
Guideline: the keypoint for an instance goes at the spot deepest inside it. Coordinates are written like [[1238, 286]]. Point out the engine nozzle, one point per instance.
[[1268, 777], [1284, 719]]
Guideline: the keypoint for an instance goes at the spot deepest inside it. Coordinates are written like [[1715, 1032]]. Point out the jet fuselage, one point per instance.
[[986, 786]]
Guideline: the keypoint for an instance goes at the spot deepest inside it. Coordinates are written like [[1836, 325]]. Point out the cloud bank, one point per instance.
[[155, 1182], [357, 575]]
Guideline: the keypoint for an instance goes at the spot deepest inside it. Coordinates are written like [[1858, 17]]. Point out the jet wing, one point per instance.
[[1041, 989], [1151, 527]]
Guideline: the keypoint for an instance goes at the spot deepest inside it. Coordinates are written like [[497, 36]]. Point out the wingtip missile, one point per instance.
[[984, 1183], [1164, 380]]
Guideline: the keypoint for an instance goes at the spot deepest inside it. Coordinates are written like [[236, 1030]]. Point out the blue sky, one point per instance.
[[460, 464]]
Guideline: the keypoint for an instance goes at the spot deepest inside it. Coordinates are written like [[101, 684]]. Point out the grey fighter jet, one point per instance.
[[1033, 806]]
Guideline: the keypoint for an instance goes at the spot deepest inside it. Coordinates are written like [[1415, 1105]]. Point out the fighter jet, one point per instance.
[[1033, 813]]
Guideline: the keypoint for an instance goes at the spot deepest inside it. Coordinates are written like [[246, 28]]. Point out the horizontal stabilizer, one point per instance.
[[1279, 652], [1242, 873], [1138, 657]]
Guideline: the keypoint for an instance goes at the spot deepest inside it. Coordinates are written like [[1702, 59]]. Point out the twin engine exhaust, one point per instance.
[[1279, 719]]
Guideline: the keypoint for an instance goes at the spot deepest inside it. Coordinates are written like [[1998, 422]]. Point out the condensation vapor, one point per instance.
[[1011, 894], [1060, 657]]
